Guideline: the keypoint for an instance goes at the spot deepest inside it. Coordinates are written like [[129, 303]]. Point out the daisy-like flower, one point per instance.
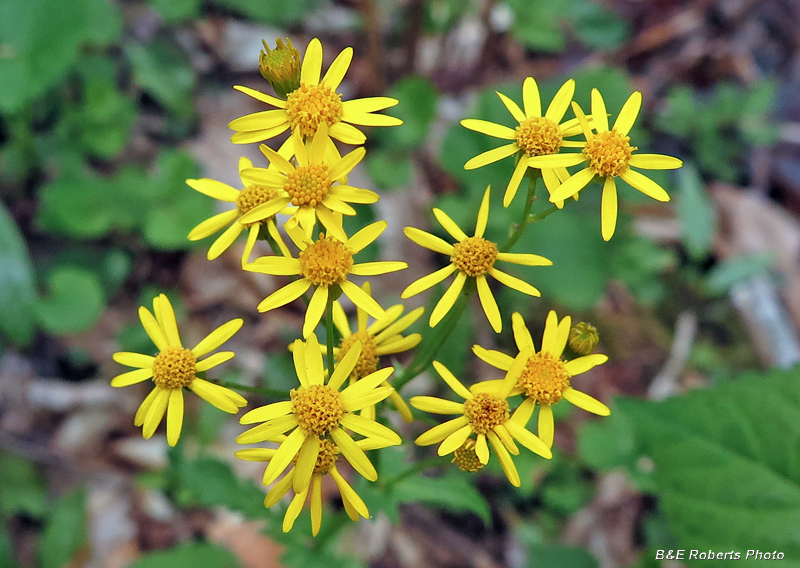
[[247, 199], [487, 415], [317, 412], [380, 338], [470, 257], [608, 154], [536, 135], [313, 186], [324, 263], [545, 379], [174, 368], [314, 103], [326, 464]]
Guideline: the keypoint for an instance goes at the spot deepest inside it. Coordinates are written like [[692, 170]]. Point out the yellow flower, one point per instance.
[[472, 257], [326, 464], [608, 154], [485, 414], [545, 378], [382, 337], [536, 135], [324, 263], [318, 412], [252, 196], [280, 66], [311, 186], [314, 103], [173, 368]]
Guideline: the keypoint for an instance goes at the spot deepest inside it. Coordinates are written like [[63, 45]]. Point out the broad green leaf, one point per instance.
[[174, 11], [726, 463], [388, 169], [597, 26], [559, 556], [452, 491], [275, 12], [728, 273], [695, 213], [538, 24], [17, 287], [189, 555], [65, 531], [6, 549], [212, 483], [74, 301], [163, 71], [418, 99], [22, 488], [103, 21]]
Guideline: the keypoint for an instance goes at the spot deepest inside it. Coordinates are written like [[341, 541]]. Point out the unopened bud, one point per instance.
[[280, 66], [583, 338], [466, 458]]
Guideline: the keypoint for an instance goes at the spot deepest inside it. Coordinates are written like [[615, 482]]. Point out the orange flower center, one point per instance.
[[307, 185], [311, 105], [474, 256], [609, 153], [318, 409], [485, 411], [538, 136], [368, 360], [174, 368], [544, 378], [466, 458], [325, 261], [252, 196]]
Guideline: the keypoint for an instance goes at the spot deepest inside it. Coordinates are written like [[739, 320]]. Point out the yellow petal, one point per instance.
[[494, 358], [514, 282], [489, 304], [627, 116], [156, 412], [134, 359], [377, 268], [370, 429], [550, 335], [599, 113], [214, 360], [505, 459], [255, 454], [284, 295], [342, 371], [152, 328], [529, 440], [284, 456], [645, 185], [212, 225], [586, 402], [454, 440], [655, 162], [608, 209], [316, 504], [448, 299], [583, 121], [275, 265], [546, 425], [265, 210], [428, 241], [482, 449], [174, 416], [312, 63], [583, 364], [264, 120], [138, 419], [428, 281], [353, 454], [214, 188], [489, 128], [531, 100], [365, 236], [513, 183], [348, 494], [560, 103], [573, 185], [506, 438], [523, 413], [306, 460], [224, 241], [268, 412], [370, 119], [258, 95], [451, 380], [362, 299], [441, 431], [347, 163], [524, 259], [399, 346], [217, 337], [436, 405], [313, 360], [512, 107], [522, 336], [215, 395], [491, 156], [293, 511], [347, 134], [368, 104], [280, 489], [366, 384], [356, 403], [336, 72], [315, 310], [132, 377], [483, 214], [449, 225], [275, 159], [251, 136], [352, 194], [556, 160]]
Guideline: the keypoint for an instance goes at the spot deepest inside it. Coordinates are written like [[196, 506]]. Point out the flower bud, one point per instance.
[[280, 66], [583, 338]]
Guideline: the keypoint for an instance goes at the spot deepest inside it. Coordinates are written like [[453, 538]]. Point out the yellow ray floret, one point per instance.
[[536, 134], [174, 368], [470, 257], [324, 263], [607, 155], [314, 103], [485, 414], [545, 379], [319, 411]]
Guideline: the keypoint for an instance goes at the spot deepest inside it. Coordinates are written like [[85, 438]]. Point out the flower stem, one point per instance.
[[329, 332], [520, 227]]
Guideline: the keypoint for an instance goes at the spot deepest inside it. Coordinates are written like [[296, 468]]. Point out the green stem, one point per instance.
[[329, 332], [525, 218]]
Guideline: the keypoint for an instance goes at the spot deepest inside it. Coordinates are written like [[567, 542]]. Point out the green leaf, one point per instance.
[[728, 273], [538, 24], [695, 213], [65, 531], [22, 488], [417, 108], [452, 491], [726, 463], [103, 22], [163, 71], [597, 26], [74, 302], [212, 483], [559, 556], [275, 12], [6, 549], [189, 555], [17, 288], [174, 11]]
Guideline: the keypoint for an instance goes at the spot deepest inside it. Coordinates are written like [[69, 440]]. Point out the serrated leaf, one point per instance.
[[65, 532], [695, 212], [727, 463], [190, 555], [74, 301], [17, 288]]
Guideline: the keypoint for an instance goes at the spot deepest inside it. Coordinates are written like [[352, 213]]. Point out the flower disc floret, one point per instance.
[[368, 360], [326, 261], [307, 185], [252, 196], [318, 409], [485, 411], [326, 458], [544, 378], [609, 153], [174, 368], [311, 105], [538, 136], [466, 458], [474, 256]]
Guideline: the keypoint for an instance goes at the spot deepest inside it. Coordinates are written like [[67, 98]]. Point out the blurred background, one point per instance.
[[106, 107]]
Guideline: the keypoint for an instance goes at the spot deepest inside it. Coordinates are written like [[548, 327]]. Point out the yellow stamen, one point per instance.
[[474, 256], [311, 105], [253, 196], [466, 458], [307, 185], [485, 411], [368, 360], [538, 136], [318, 409], [609, 153], [325, 261], [174, 368], [544, 378]]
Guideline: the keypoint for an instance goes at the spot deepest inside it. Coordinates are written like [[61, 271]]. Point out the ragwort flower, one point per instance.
[[314, 103], [324, 263], [608, 154], [485, 414], [545, 379], [536, 135], [174, 368], [247, 199], [470, 257], [317, 412], [312, 186]]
